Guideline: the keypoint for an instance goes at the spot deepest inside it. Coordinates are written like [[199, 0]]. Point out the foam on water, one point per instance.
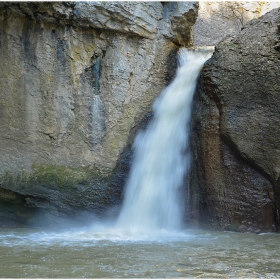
[[98, 235]]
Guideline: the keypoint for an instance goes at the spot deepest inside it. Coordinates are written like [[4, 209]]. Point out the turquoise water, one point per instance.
[[106, 253]]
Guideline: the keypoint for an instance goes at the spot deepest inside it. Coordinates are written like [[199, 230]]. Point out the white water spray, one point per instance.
[[161, 161]]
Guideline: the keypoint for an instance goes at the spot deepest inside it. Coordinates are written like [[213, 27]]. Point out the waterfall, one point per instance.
[[153, 192]]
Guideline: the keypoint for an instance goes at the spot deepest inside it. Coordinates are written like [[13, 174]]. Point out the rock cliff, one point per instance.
[[236, 124], [76, 80], [218, 19]]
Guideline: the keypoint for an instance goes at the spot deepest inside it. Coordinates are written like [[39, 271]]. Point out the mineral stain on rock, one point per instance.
[[76, 79]]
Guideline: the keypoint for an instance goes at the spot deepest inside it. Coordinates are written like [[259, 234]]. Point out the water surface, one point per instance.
[[101, 252]]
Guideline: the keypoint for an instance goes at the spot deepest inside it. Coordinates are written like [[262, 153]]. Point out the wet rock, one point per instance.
[[235, 130]]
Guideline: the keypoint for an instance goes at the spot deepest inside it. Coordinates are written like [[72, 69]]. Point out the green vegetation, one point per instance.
[[54, 177]]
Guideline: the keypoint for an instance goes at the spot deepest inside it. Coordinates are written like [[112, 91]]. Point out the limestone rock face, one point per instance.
[[218, 19], [178, 20], [76, 78], [236, 128]]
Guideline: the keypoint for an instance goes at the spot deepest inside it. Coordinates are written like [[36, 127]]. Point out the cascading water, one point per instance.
[[152, 198], [130, 249]]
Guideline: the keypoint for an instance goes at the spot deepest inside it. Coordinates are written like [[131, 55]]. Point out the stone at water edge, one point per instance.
[[236, 127]]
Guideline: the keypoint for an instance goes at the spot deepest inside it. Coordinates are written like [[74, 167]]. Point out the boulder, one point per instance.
[[236, 125]]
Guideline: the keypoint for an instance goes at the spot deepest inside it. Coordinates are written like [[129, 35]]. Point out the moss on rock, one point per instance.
[[59, 191]]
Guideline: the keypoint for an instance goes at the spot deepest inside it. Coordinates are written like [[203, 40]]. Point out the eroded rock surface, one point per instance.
[[218, 19], [76, 78], [235, 131]]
